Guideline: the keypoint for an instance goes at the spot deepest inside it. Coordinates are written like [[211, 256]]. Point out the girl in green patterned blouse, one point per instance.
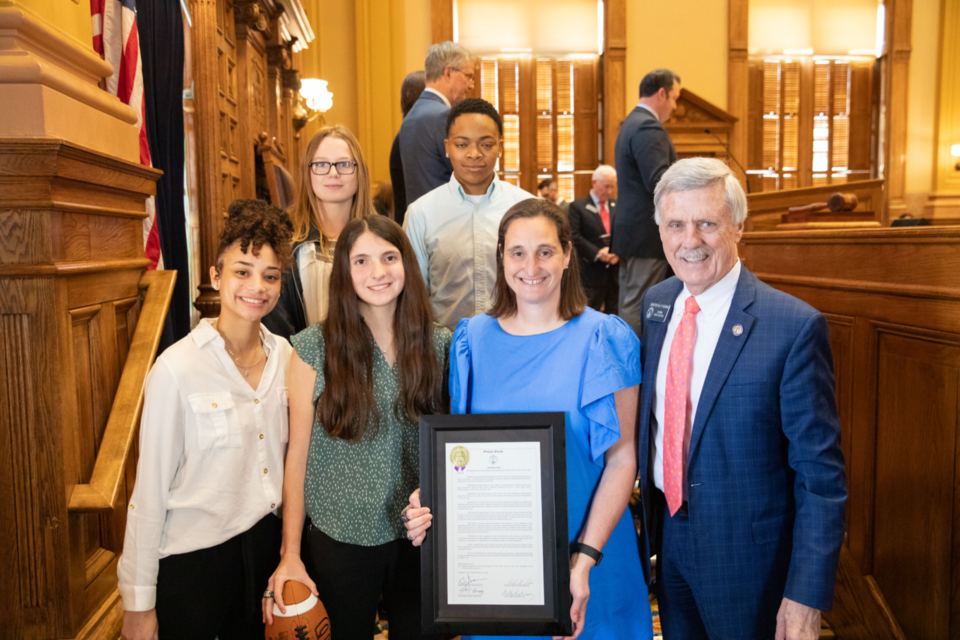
[[358, 382]]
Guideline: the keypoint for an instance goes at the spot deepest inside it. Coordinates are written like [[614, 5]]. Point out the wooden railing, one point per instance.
[[104, 488], [767, 207]]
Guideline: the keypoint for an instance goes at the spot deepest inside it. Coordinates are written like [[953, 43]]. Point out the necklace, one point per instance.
[[246, 368]]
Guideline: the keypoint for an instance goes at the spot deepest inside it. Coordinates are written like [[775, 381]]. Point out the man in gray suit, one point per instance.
[[643, 153], [449, 70]]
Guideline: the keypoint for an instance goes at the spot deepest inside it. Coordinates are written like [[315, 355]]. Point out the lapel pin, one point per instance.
[[737, 329]]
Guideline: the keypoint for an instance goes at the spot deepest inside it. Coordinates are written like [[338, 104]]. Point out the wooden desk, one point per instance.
[[892, 298]]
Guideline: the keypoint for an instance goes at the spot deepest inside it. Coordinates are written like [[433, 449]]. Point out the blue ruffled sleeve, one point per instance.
[[613, 363], [460, 368]]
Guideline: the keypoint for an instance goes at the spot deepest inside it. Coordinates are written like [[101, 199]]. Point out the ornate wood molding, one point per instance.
[[250, 13]]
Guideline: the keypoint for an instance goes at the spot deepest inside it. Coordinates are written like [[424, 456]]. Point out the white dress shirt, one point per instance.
[[315, 269], [455, 241], [650, 109], [442, 97], [211, 455], [714, 305]]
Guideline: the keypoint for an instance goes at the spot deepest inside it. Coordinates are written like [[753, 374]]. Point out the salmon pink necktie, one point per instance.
[[675, 404]]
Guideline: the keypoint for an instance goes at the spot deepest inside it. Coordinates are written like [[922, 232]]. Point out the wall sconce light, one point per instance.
[[955, 152], [315, 99]]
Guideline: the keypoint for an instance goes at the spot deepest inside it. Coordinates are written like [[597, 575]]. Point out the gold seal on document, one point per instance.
[[459, 456]]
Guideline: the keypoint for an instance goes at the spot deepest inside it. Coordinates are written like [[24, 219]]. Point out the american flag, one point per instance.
[[115, 39]]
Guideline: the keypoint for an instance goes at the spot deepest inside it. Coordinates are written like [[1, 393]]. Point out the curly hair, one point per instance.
[[256, 223]]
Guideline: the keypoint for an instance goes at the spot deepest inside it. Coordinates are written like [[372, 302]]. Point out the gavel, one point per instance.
[[836, 203]]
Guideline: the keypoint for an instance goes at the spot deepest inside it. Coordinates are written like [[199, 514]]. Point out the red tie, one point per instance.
[[605, 215], [675, 404]]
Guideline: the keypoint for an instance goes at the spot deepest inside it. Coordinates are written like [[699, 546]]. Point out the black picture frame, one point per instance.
[[553, 617]]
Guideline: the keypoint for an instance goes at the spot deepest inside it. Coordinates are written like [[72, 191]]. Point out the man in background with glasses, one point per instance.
[[449, 73]]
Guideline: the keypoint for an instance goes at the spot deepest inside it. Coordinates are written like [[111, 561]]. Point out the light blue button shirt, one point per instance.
[[455, 242]]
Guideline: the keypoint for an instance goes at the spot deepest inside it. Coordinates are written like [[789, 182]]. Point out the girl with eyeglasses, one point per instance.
[[334, 189]]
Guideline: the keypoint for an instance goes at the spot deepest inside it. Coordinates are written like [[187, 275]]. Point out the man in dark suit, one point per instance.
[[643, 152], [413, 85], [741, 474], [591, 219], [449, 75]]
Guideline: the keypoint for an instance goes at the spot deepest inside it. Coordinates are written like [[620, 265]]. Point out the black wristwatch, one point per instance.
[[587, 550]]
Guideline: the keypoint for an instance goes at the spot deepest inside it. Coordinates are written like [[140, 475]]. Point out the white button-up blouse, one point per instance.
[[211, 455]]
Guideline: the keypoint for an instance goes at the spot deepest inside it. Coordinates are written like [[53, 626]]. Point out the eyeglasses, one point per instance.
[[468, 76], [344, 167]]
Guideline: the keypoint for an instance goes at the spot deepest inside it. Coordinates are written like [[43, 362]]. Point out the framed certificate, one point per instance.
[[496, 560]]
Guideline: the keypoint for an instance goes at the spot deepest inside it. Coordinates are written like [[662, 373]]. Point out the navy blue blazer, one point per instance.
[[424, 158], [642, 154], [765, 474]]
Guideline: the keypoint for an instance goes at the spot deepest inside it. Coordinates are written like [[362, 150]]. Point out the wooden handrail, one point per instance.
[[104, 488]]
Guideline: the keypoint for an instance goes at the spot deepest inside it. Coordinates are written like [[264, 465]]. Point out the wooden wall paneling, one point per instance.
[[738, 79], [71, 221], [441, 20], [861, 467], [586, 119], [919, 389], [614, 75], [893, 304], [31, 545], [841, 344], [528, 114]]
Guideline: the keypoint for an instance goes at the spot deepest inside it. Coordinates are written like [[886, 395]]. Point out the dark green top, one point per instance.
[[354, 492]]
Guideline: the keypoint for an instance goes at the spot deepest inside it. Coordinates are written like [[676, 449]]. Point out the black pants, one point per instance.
[[350, 579], [215, 592]]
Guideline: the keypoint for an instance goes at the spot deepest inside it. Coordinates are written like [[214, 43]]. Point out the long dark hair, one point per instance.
[[572, 298], [347, 408]]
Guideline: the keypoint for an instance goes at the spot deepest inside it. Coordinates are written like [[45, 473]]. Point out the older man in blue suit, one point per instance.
[[741, 473], [449, 75]]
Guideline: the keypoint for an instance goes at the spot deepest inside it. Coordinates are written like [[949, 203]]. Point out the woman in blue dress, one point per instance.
[[541, 349]]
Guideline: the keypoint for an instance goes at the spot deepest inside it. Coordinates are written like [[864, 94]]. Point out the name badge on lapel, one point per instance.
[[591, 208], [657, 312]]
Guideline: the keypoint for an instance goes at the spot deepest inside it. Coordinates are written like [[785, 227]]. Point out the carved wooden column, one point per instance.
[[738, 80], [210, 18], [614, 74], [253, 20], [279, 66]]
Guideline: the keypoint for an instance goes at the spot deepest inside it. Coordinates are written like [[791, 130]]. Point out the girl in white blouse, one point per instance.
[[202, 537]]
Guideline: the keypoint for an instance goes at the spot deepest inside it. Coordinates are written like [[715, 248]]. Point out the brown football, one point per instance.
[[305, 619]]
